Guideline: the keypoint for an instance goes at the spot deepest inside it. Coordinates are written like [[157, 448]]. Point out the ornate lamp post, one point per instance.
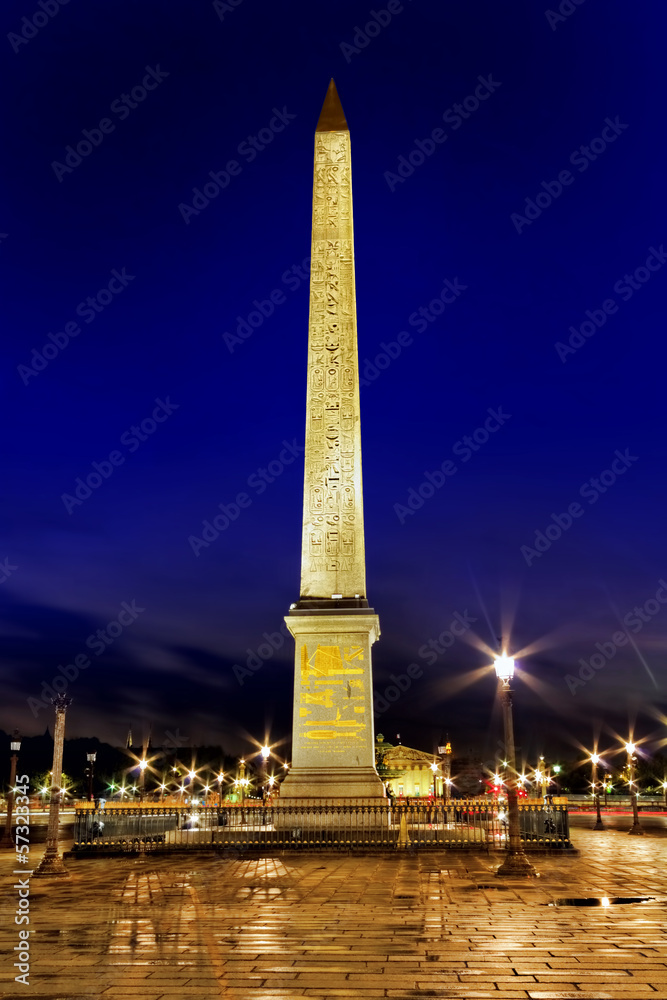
[[636, 827], [516, 862], [220, 780], [266, 753], [544, 776], [91, 758], [192, 774], [52, 864], [595, 760], [242, 779], [446, 770], [434, 769], [15, 746], [143, 764]]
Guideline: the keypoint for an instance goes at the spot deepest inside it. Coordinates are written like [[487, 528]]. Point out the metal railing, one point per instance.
[[464, 823]]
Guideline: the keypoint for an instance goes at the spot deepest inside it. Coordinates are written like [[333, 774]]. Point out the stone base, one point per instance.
[[516, 866], [346, 785], [51, 866]]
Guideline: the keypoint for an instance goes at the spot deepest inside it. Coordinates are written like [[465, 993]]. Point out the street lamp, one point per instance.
[[636, 827], [14, 746], [446, 769], [595, 760], [91, 758], [220, 779], [544, 777], [434, 769], [143, 764], [266, 753], [242, 779], [516, 862], [52, 862]]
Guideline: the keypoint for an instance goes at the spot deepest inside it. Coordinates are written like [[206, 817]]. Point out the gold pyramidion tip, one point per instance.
[[332, 116]]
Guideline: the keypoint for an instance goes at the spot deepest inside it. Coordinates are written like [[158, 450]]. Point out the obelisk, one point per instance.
[[333, 627]]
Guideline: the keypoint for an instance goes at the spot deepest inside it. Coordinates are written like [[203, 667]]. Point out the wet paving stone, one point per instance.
[[425, 925]]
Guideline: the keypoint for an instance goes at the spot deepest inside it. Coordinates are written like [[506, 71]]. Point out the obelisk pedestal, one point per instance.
[[333, 745], [333, 755]]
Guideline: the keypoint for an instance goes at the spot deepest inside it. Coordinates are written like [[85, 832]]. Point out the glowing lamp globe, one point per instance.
[[504, 667]]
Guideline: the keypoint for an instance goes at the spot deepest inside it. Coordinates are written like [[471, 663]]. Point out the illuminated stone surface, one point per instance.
[[333, 753], [332, 551], [327, 926]]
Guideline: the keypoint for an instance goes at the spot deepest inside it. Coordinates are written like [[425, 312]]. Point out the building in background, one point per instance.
[[408, 772]]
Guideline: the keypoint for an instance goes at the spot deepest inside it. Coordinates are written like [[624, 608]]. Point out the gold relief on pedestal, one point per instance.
[[332, 697]]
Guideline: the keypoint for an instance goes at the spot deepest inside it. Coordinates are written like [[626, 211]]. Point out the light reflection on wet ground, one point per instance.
[[336, 925]]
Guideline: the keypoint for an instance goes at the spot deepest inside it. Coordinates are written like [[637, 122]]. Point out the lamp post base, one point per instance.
[[636, 830], [517, 866], [51, 866], [599, 825]]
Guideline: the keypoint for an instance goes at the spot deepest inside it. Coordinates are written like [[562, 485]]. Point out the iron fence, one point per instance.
[[464, 823]]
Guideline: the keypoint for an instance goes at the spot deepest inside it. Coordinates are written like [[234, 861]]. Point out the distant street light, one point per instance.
[[14, 746], [434, 769], [91, 758], [242, 779], [516, 862], [636, 827], [266, 753], [595, 760], [143, 764]]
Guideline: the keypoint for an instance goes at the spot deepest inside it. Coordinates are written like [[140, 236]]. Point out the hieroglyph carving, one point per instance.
[[333, 559]]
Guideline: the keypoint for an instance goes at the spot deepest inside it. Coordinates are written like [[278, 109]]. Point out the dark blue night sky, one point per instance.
[[511, 234]]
